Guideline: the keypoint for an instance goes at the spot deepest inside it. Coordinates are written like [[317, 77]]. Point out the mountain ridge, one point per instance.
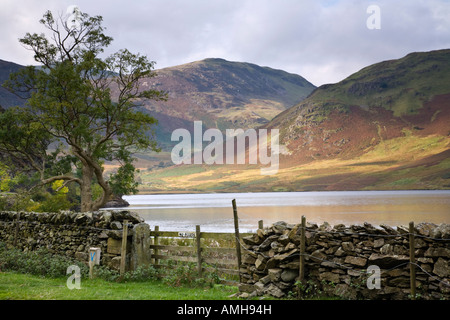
[[385, 127], [222, 94], [384, 98]]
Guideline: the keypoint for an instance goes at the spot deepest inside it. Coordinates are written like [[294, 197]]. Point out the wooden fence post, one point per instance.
[[412, 261], [156, 243], [199, 250], [260, 224], [236, 233], [301, 271], [301, 274], [123, 251]]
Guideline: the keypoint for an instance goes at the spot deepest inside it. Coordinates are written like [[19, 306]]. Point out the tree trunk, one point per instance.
[[86, 188], [89, 169]]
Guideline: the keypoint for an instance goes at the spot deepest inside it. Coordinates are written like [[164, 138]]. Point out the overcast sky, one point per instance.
[[321, 40]]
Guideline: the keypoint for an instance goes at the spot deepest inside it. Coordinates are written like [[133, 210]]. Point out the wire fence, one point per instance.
[[323, 260]]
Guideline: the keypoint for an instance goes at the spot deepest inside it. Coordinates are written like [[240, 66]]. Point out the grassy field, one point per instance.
[[41, 275], [17, 286], [392, 164]]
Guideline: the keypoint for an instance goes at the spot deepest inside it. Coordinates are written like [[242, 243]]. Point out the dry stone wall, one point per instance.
[[72, 234], [345, 261]]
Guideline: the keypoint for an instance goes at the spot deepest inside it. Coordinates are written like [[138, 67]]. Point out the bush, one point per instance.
[[40, 262], [142, 273], [187, 275]]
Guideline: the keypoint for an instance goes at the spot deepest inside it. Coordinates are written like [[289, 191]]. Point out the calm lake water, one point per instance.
[[214, 212]]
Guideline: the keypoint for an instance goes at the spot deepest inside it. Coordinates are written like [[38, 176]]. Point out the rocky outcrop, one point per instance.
[[116, 202], [339, 260]]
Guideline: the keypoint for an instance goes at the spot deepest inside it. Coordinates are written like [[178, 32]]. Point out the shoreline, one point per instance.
[[144, 193]]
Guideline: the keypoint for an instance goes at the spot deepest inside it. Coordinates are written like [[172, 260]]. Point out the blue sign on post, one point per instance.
[[94, 256]]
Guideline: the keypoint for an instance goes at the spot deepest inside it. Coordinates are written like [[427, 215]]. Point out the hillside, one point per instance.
[[8, 99], [384, 127], [378, 103], [222, 94]]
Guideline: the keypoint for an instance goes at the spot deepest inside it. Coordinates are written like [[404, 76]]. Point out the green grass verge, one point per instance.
[[16, 286], [41, 275]]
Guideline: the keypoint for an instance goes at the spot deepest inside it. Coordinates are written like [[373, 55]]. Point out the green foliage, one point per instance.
[[13, 196], [85, 105], [23, 139], [401, 85], [16, 286], [56, 201], [308, 289], [186, 274], [123, 182], [5, 179], [43, 263], [178, 171], [40, 262]]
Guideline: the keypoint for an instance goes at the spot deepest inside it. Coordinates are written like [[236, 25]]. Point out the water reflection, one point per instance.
[[214, 212]]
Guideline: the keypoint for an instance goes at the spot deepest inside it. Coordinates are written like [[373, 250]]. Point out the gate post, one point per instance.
[[236, 233], [412, 261], [140, 249], [301, 271], [199, 250]]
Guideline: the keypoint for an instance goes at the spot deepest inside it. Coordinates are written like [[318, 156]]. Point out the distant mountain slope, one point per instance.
[[223, 95], [8, 99], [220, 93], [385, 127], [380, 102]]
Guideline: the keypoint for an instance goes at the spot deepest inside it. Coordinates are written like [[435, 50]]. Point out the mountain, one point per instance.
[[384, 127], [222, 94], [384, 101], [8, 99]]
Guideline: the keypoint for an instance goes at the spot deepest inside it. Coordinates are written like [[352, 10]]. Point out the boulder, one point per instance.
[[116, 225], [387, 261], [116, 202], [441, 268], [437, 252], [288, 275], [441, 232], [275, 274], [252, 240], [274, 291], [265, 245], [245, 287], [357, 261], [279, 227], [329, 276]]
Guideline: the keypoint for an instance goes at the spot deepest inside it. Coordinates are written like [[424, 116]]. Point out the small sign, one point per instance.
[[186, 234], [94, 256]]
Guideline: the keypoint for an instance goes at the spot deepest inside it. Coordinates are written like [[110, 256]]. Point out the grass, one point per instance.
[[41, 275], [391, 164], [17, 286]]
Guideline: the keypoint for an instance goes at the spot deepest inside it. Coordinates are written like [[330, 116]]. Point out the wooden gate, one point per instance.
[[210, 251]]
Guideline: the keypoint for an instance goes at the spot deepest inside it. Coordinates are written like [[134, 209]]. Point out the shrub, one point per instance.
[[40, 262]]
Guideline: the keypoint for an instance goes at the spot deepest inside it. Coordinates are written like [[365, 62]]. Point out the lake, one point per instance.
[[181, 212]]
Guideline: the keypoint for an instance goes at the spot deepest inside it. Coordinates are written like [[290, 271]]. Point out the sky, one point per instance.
[[322, 40]]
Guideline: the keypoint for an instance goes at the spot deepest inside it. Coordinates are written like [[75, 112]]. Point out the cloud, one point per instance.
[[324, 41]]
